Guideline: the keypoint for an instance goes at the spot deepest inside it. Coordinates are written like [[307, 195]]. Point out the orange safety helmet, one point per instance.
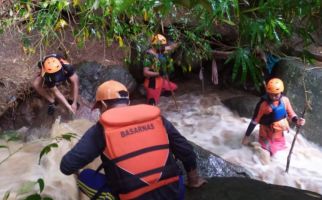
[[51, 65], [158, 39], [275, 86], [110, 90]]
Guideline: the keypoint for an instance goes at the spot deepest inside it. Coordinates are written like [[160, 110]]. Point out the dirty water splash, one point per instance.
[[205, 121], [22, 168]]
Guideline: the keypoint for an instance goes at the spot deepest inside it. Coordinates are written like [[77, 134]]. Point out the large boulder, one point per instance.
[[92, 74], [211, 165], [237, 188], [243, 105], [303, 84]]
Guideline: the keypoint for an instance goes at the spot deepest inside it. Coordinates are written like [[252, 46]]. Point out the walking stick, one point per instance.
[[293, 142]]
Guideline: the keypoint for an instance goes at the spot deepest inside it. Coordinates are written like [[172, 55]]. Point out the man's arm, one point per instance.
[[75, 86], [61, 98], [183, 150], [90, 146], [171, 47], [252, 124], [147, 73], [299, 121]]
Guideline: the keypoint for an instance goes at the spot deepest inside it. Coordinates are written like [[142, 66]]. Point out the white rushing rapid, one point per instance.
[[205, 121]]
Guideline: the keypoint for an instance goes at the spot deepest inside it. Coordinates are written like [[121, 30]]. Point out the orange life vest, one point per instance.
[[137, 142], [275, 122]]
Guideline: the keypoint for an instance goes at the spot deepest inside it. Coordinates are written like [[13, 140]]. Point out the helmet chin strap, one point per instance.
[[105, 107]]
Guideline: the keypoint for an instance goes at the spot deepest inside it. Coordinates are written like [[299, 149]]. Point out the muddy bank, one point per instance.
[[18, 69]]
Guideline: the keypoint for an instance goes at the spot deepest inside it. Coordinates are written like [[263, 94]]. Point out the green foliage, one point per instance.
[[244, 66], [41, 184], [6, 195], [37, 196], [10, 136], [3, 146], [34, 197], [48, 148], [307, 57], [28, 186], [67, 136], [264, 24]]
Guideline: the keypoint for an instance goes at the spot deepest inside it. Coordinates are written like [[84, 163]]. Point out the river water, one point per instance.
[[200, 118], [204, 120]]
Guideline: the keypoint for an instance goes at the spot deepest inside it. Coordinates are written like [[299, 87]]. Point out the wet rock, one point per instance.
[[211, 165], [32, 112], [243, 105], [92, 74], [227, 181], [237, 188]]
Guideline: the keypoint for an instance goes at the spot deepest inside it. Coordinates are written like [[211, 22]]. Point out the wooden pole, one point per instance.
[[293, 142]]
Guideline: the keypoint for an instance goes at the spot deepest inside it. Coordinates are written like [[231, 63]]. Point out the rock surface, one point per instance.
[[303, 85], [92, 74]]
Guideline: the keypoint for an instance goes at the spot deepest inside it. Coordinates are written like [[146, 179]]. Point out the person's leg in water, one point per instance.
[[153, 91], [168, 88], [153, 96]]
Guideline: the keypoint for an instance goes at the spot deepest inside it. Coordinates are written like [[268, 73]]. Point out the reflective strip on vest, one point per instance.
[[136, 141]]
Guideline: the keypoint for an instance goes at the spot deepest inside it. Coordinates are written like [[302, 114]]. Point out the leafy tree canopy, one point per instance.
[[263, 24]]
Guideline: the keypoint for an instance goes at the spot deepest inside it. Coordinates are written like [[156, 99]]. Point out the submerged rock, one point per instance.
[[211, 165]]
